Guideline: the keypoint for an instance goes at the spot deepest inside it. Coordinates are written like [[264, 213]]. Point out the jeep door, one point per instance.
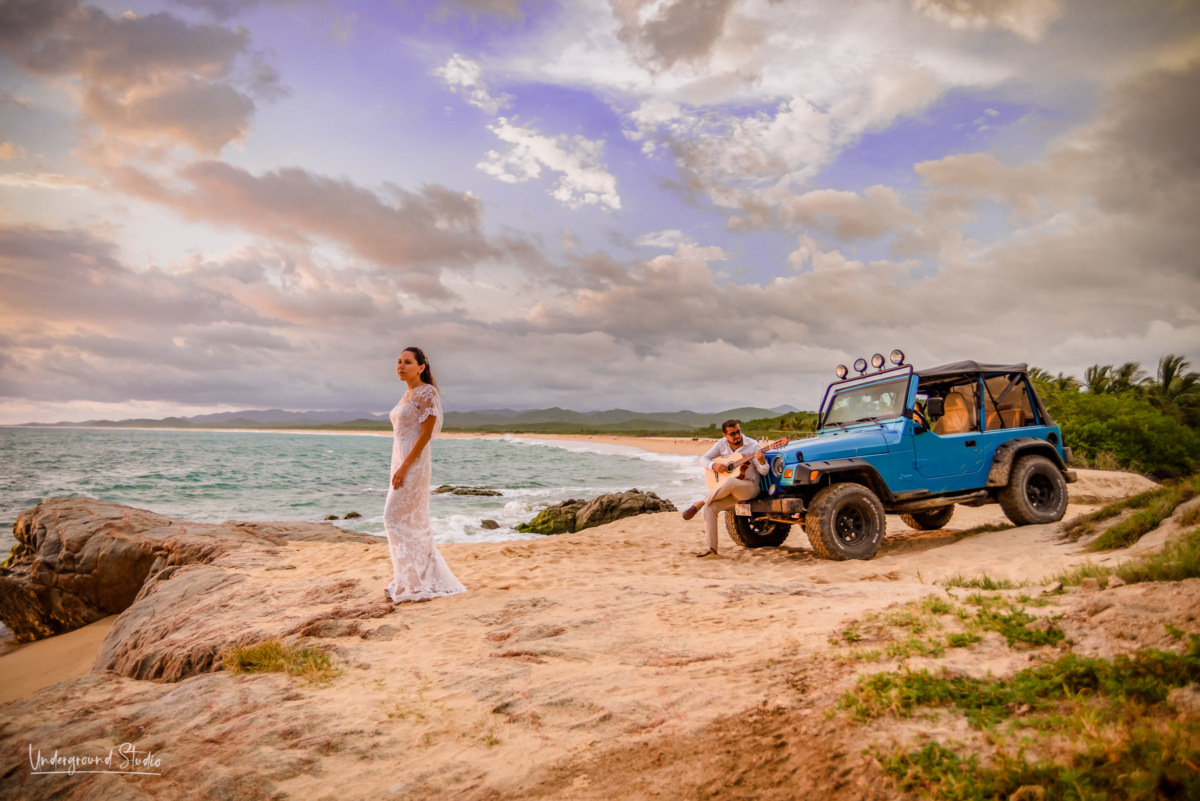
[[952, 446]]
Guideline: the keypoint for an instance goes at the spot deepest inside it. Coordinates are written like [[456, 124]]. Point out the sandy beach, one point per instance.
[[567, 652]]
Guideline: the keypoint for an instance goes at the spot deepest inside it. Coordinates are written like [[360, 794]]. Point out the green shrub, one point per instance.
[[1139, 436]]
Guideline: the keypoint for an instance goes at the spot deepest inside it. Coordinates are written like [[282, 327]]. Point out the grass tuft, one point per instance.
[[1175, 561], [1150, 509], [273, 656], [962, 640], [1146, 677], [982, 582]]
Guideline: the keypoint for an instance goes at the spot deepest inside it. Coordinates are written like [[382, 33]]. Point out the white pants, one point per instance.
[[722, 498]]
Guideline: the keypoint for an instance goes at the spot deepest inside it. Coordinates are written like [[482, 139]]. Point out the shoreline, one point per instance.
[[679, 446]]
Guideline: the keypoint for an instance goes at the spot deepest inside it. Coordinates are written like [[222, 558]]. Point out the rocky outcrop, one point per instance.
[[79, 560], [576, 515], [619, 505], [556, 519], [450, 489]]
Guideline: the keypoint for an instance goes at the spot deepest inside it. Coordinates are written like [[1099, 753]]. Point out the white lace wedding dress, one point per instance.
[[419, 570]]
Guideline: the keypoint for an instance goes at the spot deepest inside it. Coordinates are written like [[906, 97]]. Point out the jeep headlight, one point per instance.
[[777, 466]]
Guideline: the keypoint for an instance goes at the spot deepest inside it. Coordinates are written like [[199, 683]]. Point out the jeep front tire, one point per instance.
[[750, 533], [845, 521], [930, 520], [1036, 492]]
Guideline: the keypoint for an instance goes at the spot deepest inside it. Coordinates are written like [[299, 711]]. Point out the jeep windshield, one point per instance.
[[868, 403]]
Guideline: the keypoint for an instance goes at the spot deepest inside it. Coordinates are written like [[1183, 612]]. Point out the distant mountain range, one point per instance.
[[548, 420]]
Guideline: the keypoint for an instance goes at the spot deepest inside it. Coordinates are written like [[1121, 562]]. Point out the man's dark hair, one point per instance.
[[728, 424]]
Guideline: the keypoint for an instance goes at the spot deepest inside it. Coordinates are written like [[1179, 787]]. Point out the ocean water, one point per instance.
[[214, 476]]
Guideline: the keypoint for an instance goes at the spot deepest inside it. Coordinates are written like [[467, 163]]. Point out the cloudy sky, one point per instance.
[[651, 204]]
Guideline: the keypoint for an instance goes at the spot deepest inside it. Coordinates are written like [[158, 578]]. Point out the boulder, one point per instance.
[[450, 489], [557, 519], [489, 525], [619, 505], [78, 560], [576, 515]]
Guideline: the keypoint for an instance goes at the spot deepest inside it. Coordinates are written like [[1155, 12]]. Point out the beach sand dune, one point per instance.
[[572, 664]]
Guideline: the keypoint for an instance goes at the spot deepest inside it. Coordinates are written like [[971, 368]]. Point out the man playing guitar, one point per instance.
[[733, 487]]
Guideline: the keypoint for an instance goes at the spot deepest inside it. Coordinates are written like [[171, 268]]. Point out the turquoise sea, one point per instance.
[[214, 476]]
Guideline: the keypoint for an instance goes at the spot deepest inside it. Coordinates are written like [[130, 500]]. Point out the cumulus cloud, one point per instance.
[[1028, 19], [153, 78], [875, 213], [466, 77], [666, 33], [670, 238], [583, 179], [417, 233], [80, 324], [10, 151]]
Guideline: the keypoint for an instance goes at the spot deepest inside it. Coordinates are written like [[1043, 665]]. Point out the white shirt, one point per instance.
[[724, 449]]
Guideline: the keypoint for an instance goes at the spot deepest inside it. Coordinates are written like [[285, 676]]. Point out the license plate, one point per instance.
[[742, 510]]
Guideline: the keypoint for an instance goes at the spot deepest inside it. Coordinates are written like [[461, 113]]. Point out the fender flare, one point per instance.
[[854, 464], [1006, 454]]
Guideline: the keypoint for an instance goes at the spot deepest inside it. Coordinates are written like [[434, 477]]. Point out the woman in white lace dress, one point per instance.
[[419, 572]]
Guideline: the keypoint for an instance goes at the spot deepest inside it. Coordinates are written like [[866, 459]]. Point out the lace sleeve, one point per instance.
[[428, 402]]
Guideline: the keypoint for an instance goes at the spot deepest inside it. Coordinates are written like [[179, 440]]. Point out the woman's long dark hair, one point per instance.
[[426, 373]]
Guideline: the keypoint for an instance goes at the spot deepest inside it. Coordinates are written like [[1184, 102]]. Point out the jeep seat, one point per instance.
[[957, 419]]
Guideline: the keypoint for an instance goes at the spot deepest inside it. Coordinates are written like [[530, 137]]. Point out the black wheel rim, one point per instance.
[[1039, 491], [850, 525]]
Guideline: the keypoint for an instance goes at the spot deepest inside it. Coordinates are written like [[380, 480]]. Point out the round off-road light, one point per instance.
[[897, 357], [841, 371], [860, 365], [877, 361]]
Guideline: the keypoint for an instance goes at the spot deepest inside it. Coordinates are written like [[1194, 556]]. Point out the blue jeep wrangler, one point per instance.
[[912, 443]]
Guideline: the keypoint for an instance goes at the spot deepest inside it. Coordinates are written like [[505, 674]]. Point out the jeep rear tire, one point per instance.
[[929, 520], [750, 533], [1036, 492], [845, 521]]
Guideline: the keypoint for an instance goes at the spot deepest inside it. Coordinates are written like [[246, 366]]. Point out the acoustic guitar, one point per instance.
[[738, 463]]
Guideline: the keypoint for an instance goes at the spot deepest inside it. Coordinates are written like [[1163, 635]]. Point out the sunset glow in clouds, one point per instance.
[[230, 204]]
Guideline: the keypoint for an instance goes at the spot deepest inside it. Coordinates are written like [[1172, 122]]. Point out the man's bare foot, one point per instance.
[[690, 512], [709, 552]]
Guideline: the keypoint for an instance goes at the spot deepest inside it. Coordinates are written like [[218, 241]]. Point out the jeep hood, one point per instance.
[[838, 446]]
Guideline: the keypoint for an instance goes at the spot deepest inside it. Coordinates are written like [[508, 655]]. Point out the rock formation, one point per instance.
[[618, 505], [556, 519], [451, 489], [78, 560], [576, 515]]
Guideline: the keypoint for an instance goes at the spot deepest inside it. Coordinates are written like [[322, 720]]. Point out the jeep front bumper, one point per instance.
[[770, 506]]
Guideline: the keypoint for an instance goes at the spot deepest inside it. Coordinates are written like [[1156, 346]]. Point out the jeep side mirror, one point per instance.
[[935, 407]]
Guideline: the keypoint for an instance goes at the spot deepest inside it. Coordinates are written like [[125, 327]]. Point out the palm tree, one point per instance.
[[1096, 379], [1174, 386], [1129, 377], [1047, 384]]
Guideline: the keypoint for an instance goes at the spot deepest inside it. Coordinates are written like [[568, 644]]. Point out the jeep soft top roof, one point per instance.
[[966, 368], [958, 368]]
